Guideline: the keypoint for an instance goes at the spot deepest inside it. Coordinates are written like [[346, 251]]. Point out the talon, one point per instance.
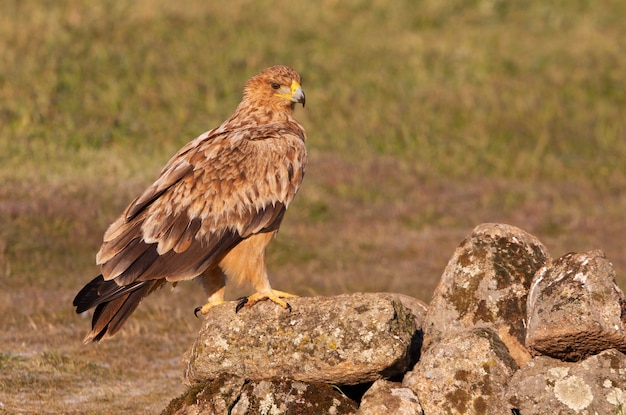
[[195, 311], [241, 303]]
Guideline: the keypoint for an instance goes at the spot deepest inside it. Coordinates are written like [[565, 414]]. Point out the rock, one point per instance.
[[596, 385], [575, 309], [417, 307], [291, 397], [238, 397], [342, 340], [213, 397], [464, 373], [485, 284], [385, 397]]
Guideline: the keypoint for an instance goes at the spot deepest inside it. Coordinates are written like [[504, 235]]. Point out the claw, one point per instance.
[[240, 303], [274, 296]]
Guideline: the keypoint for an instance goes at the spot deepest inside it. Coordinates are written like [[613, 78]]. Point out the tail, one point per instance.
[[113, 303]]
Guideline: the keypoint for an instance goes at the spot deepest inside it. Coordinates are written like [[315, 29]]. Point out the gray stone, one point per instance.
[[280, 397], [575, 309], [485, 284], [417, 307], [213, 397], [465, 373], [347, 339], [385, 397], [596, 385], [226, 395]]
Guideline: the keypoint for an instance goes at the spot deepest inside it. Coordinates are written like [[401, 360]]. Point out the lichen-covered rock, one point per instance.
[[279, 397], [417, 307], [342, 340], [596, 385], [465, 373], [212, 397], [235, 396], [575, 309], [386, 397], [486, 283]]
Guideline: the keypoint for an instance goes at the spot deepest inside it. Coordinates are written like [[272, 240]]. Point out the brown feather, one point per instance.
[[188, 236], [193, 261], [174, 228], [109, 316], [175, 170], [117, 265], [134, 271]]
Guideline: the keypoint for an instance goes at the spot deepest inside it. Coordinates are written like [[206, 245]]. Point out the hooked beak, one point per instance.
[[297, 94]]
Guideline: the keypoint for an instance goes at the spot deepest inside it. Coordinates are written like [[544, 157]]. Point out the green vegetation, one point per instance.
[[424, 120]]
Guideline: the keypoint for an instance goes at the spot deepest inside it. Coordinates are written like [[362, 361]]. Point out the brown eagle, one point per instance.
[[211, 211]]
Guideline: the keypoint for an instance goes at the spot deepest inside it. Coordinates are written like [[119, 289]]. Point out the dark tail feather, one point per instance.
[[114, 304]]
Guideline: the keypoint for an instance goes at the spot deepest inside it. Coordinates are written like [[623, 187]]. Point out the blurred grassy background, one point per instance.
[[424, 119]]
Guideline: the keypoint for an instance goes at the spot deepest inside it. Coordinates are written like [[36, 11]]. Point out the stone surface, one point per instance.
[[212, 397], [291, 397], [575, 309], [227, 395], [385, 397], [346, 339], [486, 283], [465, 373], [417, 307], [596, 385]]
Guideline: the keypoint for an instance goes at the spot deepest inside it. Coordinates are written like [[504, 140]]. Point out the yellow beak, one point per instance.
[[296, 95]]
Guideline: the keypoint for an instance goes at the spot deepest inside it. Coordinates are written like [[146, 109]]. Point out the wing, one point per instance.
[[216, 191]]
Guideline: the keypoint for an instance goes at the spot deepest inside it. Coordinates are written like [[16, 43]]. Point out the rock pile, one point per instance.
[[509, 331]]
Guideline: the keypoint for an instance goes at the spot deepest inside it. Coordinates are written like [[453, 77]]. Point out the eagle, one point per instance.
[[210, 213]]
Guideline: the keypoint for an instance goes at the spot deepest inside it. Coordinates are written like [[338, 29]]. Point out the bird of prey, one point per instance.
[[211, 211]]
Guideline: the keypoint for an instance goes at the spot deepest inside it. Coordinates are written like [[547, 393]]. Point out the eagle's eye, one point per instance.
[[275, 85]]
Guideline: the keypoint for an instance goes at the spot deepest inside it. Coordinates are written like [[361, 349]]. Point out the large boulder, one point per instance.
[[347, 339], [575, 309], [485, 284]]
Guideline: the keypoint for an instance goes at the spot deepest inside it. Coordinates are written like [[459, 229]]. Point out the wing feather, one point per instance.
[[188, 236], [175, 170], [124, 259], [143, 261], [175, 229]]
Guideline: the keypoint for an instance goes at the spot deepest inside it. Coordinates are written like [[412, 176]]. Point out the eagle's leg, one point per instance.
[[274, 296], [246, 263], [213, 282]]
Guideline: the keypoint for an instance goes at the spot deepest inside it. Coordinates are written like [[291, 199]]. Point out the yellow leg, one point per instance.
[[274, 296], [216, 298], [205, 308]]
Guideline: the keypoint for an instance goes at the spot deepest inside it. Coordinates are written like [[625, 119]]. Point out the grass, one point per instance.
[[424, 120]]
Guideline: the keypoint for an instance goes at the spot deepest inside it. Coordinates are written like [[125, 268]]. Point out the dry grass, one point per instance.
[[424, 121]]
